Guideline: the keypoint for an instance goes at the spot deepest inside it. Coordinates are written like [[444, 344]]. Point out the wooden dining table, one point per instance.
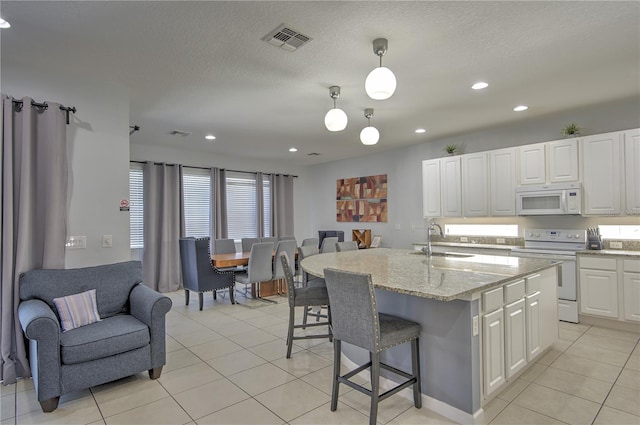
[[272, 287]]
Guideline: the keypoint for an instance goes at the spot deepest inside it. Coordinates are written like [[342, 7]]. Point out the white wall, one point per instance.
[[404, 169], [98, 153]]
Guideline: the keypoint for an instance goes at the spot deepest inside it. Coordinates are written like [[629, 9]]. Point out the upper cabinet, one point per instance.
[[502, 181], [475, 185], [601, 177], [451, 187], [431, 206], [549, 162], [632, 171]]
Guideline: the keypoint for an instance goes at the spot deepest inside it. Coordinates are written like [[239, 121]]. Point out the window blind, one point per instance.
[[196, 186], [266, 204], [136, 208], [241, 206]]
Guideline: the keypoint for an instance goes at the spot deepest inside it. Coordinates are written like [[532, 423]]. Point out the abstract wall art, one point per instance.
[[362, 199]]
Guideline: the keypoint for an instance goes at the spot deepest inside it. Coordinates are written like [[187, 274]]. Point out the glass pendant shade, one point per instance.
[[369, 135], [380, 83], [335, 120]]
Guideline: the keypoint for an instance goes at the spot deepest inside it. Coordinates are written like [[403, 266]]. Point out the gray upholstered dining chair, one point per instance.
[[226, 246], [346, 246], [287, 238], [328, 245], [308, 281], [269, 239], [198, 273], [303, 297], [310, 241], [288, 246], [260, 268], [355, 320], [247, 243]]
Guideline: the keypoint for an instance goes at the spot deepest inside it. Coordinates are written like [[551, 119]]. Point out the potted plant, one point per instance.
[[572, 130], [451, 149]]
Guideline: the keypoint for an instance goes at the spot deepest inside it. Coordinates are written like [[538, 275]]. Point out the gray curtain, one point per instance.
[[282, 205], [218, 204], [260, 206], [163, 226], [33, 165]]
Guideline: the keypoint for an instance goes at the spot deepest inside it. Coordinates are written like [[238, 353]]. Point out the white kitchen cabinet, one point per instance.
[[532, 164], [493, 350], [475, 185], [632, 171], [631, 289], [431, 193], [599, 286], [549, 162], [562, 161], [502, 182], [515, 337], [451, 188], [532, 312], [601, 177]]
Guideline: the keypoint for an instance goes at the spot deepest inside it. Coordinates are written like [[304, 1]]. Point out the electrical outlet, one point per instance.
[[464, 239], [475, 330], [500, 240], [616, 244], [76, 242], [397, 226], [107, 241]]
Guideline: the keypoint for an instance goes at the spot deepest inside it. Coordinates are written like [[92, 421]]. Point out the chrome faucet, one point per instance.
[[431, 225]]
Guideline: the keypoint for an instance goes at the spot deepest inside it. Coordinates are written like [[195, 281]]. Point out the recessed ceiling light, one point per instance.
[[480, 85], [4, 24], [293, 150], [210, 137], [520, 108], [420, 130]]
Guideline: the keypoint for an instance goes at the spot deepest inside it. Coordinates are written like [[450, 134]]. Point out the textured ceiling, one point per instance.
[[202, 66]]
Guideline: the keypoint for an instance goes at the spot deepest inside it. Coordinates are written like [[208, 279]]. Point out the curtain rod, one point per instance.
[[208, 168], [44, 105]]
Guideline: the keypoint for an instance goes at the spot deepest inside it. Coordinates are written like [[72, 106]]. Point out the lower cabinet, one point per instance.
[[610, 287], [519, 322]]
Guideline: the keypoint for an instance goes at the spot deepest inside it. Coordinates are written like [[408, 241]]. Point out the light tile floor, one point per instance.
[[226, 365]]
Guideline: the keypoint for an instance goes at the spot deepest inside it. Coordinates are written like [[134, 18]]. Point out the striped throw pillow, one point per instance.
[[77, 310]]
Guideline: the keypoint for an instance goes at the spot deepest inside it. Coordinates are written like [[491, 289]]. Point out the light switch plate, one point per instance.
[[475, 330], [616, 244], [500, 240], [464, 239]]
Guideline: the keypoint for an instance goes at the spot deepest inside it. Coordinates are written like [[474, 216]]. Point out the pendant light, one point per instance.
[[369, 135], [336, 119], [381, 82]]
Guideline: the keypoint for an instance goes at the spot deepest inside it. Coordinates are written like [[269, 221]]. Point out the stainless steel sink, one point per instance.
[[444, 254]]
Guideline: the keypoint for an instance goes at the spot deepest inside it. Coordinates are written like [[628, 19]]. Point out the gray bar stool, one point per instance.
[[355, 320]]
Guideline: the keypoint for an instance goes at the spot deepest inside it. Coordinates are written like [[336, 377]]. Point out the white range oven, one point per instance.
[[558, 245]]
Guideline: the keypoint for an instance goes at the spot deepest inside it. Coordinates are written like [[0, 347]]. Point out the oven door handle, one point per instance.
[[559, 271]]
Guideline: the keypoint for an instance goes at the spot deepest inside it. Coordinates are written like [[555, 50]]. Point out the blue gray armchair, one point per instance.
[[129, 338]]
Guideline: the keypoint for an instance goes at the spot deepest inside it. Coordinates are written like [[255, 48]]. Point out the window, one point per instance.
[[196, 187], [242, 208], [620, 232], [136, 207], [508, 230]]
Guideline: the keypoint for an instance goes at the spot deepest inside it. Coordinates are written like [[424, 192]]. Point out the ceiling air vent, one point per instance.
[[287, 38], [180, 133], [313, 154]]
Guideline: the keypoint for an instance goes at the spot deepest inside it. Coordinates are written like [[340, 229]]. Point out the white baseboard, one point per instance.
[[440, 407]]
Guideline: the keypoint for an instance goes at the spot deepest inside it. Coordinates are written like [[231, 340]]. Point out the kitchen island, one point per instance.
[[484, 318]]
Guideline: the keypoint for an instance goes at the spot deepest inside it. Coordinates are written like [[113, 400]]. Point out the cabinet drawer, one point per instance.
[[513, 291], [632, 266], [587, 262], [492, 299], [533, 283]]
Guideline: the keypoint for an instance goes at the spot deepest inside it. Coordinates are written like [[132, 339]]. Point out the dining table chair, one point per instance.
[[288, 246], [328, 245], [247, 243], [259, 269], [346, 246]]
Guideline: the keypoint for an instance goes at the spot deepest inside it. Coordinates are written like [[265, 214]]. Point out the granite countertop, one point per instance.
[[611, 252], [440, 278]]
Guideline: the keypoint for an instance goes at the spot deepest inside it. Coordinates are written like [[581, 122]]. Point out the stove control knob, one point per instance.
[[577, 236], [569, 236], [531, 235]]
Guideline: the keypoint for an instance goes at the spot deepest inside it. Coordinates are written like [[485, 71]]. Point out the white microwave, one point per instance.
[[549, 199]]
